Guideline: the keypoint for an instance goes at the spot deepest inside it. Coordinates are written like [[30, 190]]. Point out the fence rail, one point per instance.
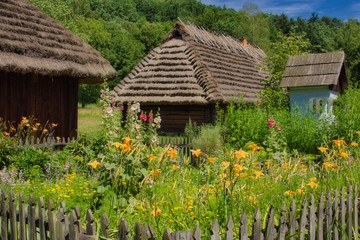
[[333, 217], [182, 143], [46, 142]]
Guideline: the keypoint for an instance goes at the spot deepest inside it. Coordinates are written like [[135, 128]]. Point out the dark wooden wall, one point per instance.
[[52, 99], [174, 118]]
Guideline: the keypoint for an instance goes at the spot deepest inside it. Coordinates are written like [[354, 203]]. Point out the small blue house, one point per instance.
[[314, 81]]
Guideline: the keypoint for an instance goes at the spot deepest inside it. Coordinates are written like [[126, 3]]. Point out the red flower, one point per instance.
[[271, 123], [279, 129], [143, 117], [150, 116]]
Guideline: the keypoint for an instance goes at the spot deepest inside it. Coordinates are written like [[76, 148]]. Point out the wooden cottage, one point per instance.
[[41, 65], [189, 73], [314, 81]]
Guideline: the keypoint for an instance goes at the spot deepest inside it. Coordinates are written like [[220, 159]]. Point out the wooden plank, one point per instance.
[[349, 212], [78, 218], [66, 220], [328, 216], [214, 230], [138, 231], [256, 232], [336, 211], [292, 220], [303, 219], [73, 227], [90, 226], [149, 232], [4, 217], [51, 219], [105, 224], [282, 223], [41, 206], [124, 230], [312, 218], [32, 218], [60, 224], [166, 235], [320, 225], [22, 217], [12, 216], [197, 233], [270, 230], [229, 234], [356, 213], [342, 215]]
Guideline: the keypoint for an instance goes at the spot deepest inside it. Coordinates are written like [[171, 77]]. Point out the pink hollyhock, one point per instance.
[[271, 123], [150, 116], [279, 129], [121, 107], [143, 117]]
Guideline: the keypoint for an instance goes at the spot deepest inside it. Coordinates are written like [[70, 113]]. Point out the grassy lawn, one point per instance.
[[89, 120]]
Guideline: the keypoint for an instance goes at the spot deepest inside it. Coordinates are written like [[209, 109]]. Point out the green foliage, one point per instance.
[[88, 94], [209, 139], [347, 114]]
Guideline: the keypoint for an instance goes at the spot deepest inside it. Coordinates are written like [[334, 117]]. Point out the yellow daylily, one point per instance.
[[94, 164], [196, 152], [322, 149]]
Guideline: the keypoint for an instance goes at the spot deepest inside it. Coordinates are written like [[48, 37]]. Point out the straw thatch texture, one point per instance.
[[193, 66], [313, 70], [31, 41]]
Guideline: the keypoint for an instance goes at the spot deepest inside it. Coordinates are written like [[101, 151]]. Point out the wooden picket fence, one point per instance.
[[46, 142], [335, 217], [181, 143]]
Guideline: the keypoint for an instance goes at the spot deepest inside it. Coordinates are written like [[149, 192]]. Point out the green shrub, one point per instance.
[[209, 139]]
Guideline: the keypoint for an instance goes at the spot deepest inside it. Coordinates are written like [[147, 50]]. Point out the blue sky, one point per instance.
[[342, 9]]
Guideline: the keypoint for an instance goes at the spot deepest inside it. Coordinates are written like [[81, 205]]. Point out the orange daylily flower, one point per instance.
[[117, 145], [172, 153], [212, 160], [338, 142], [151, 157], [239, 168], [344, 154], [175, 167], [156, 213], [258, 174], [322, 149], [253, 147], [94, 164], [354, 144], [312, 184], [225, 164], [154, 173], [126, 140], [327, 165], [196, 152], [240, 153]]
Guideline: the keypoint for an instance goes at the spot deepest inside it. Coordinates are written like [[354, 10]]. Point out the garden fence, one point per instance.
[[335, 217], [46, 142], [182, 143]]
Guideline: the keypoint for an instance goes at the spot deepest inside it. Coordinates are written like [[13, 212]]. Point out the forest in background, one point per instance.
[[124, 31]]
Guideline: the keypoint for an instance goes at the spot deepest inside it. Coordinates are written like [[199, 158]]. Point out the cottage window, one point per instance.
[[316, 104]]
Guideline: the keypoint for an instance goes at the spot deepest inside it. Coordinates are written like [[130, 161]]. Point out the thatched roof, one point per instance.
[[194, 66], [32, 42], [313, 70]]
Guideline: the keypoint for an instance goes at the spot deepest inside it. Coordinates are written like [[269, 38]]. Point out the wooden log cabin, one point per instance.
[[189, 73], [41, 65]]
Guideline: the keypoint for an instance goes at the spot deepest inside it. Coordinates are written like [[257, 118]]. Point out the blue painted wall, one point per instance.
[[302, 96]]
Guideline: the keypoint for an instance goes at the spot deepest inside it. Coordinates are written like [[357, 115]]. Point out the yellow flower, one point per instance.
[[240, 153], [358, 132], [34, 129], [117, 145], [313, 179], [344, 155], [24, 120], [94, 164], [225, 164], [151, 157], [126, 148], [154, 173], [322, 149], [156, 212], [58, 138], [174, 167], [45, 130], [6, 133], [354, 144], [239, 168], [288, 192], [172, 153], [212, 160], [338, 142], [54, 124], [126, 140], [312, 184], [300, 191], [196, 152], [258, 174], [327, 165], [268, 163], [253, 147]]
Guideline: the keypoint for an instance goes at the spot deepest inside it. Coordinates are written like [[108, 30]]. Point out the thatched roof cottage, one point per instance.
[[190, 72], [41, 65], [314, 81]]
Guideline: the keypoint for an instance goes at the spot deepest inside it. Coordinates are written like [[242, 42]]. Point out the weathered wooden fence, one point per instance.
[[335, 217], [47, 142], [182, 143]]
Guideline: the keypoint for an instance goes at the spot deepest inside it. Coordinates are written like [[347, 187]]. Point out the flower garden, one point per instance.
[[125, 173]]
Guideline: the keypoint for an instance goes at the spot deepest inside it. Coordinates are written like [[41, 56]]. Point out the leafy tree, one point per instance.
[[88, 93]]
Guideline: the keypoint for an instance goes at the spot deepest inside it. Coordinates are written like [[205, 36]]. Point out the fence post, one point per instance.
[[123, 229], [356, 214], [105, 225], [256, 233], [51, 219], [320, 210], [342, 214], [328, 215], [292, 220], [303, 219], [4, 218], [60, 228], [90, 226], [282, 223], [214, 231], [166, 235], [22, 217], [269, 232], [336, 215], [73, 227], [349, 212], [32, 218], [12, 215], [312, 218], [229, 234], [42, 219], [197, 232]]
